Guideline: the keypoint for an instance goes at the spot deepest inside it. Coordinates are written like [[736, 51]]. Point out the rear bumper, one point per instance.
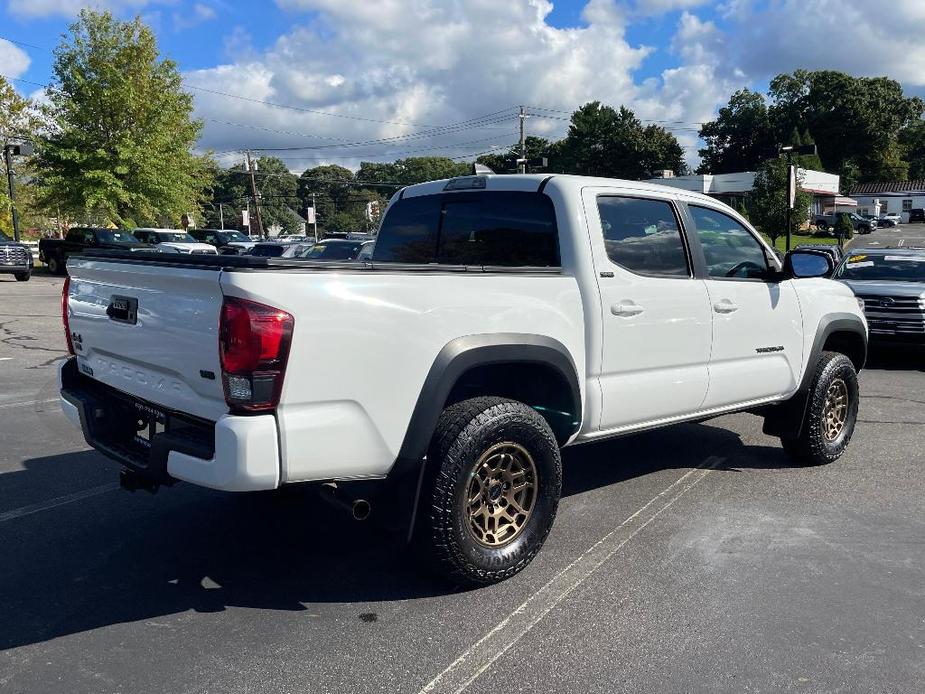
[[235, 454]]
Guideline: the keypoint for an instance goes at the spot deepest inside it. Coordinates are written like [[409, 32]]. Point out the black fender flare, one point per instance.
[[464, 353], [455, 358], [786, 419]]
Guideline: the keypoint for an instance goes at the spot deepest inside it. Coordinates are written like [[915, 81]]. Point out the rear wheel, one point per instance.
[[55, 266], [822, 226], [492, 491], [831, 413]]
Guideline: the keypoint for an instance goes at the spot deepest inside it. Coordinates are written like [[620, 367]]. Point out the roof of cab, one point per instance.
[[532, 183]]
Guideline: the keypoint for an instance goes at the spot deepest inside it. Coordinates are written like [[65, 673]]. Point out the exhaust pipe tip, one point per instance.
[[361, 509]]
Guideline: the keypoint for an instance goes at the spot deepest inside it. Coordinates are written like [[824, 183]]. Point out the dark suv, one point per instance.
[[916, 214], [15, 259]]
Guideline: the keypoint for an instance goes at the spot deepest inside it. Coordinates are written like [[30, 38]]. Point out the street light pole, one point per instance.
[[9, 151], [790, 172], [792, 178]]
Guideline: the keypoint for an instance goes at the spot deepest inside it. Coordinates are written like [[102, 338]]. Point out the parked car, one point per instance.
[[833, 250], [891, 283], [55, 252], [495, 326], [15, 259], [333, 249], [861, 225], [173, 241], [916, 214], [890, 219], [227, 241], [269, 249]]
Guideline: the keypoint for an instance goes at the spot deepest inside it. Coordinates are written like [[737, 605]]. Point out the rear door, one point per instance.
[[757, 322], [150, 330], [656, 322]]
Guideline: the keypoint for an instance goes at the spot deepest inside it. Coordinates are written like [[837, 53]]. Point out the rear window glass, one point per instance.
[[268, 251], [508, 229]]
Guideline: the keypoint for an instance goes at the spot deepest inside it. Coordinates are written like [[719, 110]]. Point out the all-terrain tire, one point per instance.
[[22, 276], [55, 266], [467, 435], [822, 440]]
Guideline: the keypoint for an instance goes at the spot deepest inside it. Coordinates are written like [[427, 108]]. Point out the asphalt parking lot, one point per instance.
[[887, 237], [689, 559]]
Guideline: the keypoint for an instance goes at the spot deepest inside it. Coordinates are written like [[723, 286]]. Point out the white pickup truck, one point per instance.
[[500, 319]]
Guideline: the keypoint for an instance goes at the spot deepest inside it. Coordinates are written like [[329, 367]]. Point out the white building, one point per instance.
[[889, 196], [727, 187]]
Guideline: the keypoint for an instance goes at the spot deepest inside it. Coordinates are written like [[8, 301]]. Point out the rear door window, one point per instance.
[[492, 228], [643, 236]]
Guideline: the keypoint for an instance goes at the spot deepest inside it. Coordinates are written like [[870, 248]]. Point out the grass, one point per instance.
[[797, 239]]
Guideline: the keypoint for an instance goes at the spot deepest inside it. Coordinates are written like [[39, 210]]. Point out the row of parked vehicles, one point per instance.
[[55, 252]]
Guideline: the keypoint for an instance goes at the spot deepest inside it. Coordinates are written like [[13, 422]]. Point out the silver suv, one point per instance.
[[891, 282]]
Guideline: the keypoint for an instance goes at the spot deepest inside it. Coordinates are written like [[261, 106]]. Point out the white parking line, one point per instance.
[[26, 403], [476, 659], [901, 241], [6, 358], [56, 502]]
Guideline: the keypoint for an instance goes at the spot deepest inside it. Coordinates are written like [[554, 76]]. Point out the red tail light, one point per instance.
[[254, 347], [67, 325]]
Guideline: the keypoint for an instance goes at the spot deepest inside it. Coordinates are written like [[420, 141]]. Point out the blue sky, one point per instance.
[[315, 73]]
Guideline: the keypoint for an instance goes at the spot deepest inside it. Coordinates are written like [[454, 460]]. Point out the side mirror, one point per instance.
[[808, 263]]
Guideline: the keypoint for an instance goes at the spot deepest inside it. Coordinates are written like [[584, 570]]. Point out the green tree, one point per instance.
[[120, 131], [422, 169], [912, 141], [277, 188], [506, 162], [603, 141], [768, 208], [853, 119], [330, 184], [740, 137], [843, 228]]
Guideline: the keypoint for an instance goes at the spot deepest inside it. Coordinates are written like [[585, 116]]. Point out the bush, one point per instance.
[[844, 228]]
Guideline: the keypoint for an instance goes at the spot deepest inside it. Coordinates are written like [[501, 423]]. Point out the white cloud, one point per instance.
[[656, 7], [770, 38], [199, 14], [427, 62], [13, 60]]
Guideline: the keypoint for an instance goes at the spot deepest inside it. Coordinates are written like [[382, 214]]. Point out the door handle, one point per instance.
[[725, 306], [626, 309]]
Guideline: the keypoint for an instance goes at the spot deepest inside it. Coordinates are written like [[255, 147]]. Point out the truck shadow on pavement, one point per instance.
[[120, 558]]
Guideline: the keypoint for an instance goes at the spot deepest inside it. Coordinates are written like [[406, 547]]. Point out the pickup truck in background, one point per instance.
[[55, 252], [499, 319], [826, 222], [226, 241]]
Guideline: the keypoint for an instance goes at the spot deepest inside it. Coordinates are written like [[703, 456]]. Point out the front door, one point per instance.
[[757, 323], [656, 321]]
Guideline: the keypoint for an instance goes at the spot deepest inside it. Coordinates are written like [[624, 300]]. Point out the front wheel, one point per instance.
[[22, 276], [822, 226], [493, 489], [831, 413]]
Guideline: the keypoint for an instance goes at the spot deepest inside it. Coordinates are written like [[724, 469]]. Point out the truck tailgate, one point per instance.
[[150, 330]]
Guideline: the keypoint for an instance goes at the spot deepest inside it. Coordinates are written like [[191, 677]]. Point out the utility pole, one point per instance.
[[221, 217], [250, 168], [523, 143], [315, 217]]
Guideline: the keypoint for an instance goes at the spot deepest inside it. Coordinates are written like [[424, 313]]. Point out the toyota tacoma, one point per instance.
[[499, 319]]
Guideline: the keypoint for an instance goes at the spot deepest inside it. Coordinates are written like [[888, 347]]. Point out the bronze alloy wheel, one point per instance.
[[835, 409], [501, 493]]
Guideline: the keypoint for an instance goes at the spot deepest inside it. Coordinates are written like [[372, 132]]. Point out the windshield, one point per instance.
[[174, 237], [332, 251], [4, 237], [115, 236], [229, 236], [883, 266]]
